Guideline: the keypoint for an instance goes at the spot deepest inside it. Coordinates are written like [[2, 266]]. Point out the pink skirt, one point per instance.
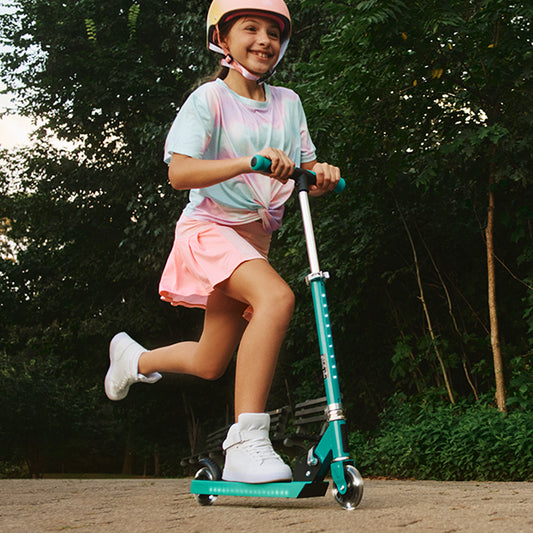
[[204, 254]]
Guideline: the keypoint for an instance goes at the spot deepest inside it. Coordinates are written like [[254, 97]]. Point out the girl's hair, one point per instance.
[[223, 29], [220, 73]]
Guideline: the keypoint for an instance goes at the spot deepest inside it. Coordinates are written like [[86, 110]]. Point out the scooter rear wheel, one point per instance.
[[209, 471], [352, 497]]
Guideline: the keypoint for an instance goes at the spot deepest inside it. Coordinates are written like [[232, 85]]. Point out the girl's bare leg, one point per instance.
[[253, 283], [209, 357], [257, 284]]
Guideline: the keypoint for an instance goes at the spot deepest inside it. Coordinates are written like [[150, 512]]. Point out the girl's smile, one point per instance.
[[254, 42]]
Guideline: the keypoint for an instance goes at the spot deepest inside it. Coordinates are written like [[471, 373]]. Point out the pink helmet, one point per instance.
[[220, 11]]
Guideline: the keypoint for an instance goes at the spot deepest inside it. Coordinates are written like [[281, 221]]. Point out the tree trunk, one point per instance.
[[426, 310], [493, 315], [452, 316], [193, 425], [157, 468]]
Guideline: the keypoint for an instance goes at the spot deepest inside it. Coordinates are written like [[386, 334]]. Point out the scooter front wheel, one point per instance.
[[209, 471], [352, 497]]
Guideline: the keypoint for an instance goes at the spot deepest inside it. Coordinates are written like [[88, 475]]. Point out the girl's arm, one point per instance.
[[327, 177], [186, 172]]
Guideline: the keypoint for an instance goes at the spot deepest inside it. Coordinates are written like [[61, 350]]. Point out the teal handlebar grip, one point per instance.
[[262, 164]]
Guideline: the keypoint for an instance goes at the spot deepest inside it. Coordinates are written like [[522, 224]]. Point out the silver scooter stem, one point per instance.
[[309, 233]]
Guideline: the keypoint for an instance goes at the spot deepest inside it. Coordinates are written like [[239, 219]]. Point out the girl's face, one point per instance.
[[255, 43]]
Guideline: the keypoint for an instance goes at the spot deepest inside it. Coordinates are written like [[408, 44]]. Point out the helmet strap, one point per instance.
[[229, 62]]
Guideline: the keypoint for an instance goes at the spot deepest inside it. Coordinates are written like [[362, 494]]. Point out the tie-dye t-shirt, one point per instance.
[[217, 123]]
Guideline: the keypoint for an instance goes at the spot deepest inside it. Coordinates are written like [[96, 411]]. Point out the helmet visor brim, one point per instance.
[[272, 16]]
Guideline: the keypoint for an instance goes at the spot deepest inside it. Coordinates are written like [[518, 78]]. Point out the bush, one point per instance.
[[13, 469], [448, 442]]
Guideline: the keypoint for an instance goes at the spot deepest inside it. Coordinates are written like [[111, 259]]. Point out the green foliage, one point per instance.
[[428, 440], [417, 102], [421, 103], [89, 228], [90, 26], [521, 382], [133, 15], [46, 406]]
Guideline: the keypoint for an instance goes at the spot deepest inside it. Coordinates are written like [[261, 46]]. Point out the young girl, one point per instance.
[[219, 258]]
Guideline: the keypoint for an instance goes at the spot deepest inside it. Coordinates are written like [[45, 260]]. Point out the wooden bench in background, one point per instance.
[[212, 448], [309, 422], [291, 436]]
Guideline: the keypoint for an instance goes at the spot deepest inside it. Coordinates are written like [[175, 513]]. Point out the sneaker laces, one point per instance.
[[262, 449]]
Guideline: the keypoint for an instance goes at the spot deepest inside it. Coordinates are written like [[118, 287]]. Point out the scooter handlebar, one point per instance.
[[262, 164]]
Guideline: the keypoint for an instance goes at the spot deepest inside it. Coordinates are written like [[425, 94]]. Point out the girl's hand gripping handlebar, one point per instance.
[[262, 164]]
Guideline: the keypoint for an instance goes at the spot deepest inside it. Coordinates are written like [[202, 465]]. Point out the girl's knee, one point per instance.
[[212, 364], [289, 299], [280, 300], [211, 373]]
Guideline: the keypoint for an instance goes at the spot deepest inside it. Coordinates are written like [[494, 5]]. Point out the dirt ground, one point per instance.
[[139, 505]]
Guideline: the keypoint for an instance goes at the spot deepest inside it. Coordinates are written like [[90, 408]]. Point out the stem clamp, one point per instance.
[[317, 275]]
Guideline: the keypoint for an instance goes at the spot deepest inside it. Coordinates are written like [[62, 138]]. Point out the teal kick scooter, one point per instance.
[[330, 454]]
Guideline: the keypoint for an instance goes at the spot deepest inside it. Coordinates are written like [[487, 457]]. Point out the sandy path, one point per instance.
[[138, 505]]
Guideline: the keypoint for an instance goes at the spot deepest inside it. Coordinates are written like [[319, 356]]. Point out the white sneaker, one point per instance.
[[250, 457], [123, 372]]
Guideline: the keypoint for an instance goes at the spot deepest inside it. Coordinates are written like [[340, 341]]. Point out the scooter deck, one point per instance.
[[292, 489]]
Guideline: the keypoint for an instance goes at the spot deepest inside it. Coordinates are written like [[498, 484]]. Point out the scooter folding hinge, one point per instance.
[[335, 412], [311, 459], [316, 275]]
